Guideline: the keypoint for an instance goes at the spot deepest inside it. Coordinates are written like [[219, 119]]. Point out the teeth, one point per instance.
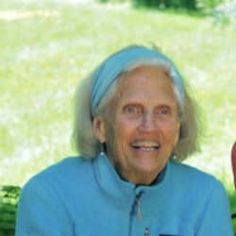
[[147, 145], [147, 149]]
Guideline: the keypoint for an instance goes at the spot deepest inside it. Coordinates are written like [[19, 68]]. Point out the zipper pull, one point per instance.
[[137, 206], [146, 232], [138, 209]]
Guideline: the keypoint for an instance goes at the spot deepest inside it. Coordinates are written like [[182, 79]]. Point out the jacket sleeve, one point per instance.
[[40, 211], [216, 219]]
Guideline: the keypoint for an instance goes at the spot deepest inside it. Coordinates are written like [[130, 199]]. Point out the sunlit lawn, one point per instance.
[[46, 49]]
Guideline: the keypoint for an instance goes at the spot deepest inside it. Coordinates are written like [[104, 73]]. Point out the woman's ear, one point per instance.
[[99, 129]]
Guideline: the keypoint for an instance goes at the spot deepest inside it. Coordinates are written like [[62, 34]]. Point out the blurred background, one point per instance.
[[48, 46]]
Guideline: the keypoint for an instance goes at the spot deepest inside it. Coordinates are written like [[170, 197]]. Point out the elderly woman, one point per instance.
[[135, 123]]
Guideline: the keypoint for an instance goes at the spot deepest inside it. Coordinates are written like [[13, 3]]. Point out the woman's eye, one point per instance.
[[164, 111], [133, 110]]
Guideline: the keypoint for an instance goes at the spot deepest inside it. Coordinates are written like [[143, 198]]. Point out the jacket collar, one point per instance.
[[111, 183]]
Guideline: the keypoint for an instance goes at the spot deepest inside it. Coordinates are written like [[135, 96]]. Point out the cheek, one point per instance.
[[170, 132], [119, 133], [125, 129]]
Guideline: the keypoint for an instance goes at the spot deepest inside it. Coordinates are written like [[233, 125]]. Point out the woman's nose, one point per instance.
[[148, 122]]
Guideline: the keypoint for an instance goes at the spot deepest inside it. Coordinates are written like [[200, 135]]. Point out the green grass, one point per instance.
[[233, 207], [47, 48]]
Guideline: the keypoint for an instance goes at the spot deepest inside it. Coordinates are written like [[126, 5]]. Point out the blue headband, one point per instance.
[[119, 62]]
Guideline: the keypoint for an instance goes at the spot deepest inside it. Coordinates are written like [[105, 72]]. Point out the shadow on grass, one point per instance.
[[197, 13]]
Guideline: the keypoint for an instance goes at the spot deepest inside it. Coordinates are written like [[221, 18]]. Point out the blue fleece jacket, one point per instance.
[[87, 198]]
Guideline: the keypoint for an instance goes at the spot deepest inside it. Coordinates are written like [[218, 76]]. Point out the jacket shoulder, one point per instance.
[[69, 171], [194, 178]]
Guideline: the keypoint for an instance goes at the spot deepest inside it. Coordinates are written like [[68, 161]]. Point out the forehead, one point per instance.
[[146, 81]]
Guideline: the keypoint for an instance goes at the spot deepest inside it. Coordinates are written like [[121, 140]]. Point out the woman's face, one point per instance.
[[145, 125]]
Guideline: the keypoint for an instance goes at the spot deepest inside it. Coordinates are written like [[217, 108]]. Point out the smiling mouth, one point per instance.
[[146, 145]]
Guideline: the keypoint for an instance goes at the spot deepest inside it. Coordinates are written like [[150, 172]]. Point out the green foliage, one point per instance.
[[232, 198], [185, 4], [191, 5], [9, 196], [208, 4]]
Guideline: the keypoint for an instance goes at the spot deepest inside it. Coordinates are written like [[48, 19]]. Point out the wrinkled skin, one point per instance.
[[142, 128]]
